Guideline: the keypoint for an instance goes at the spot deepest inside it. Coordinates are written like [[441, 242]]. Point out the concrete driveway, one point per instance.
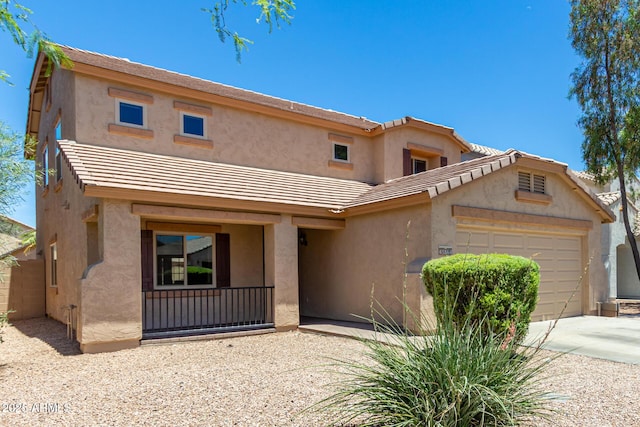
[[611, 338]]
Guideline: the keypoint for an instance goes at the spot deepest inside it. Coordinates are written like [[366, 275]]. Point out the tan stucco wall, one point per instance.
[[338, 269], [395, 140], [496, 191], [22, 289], [110, 292], [59, 208], [281, 262], [238, 137]]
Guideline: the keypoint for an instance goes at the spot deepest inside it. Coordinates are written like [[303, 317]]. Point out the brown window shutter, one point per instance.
[[146, 244], [223, 260], [406, 162], [443, 161]]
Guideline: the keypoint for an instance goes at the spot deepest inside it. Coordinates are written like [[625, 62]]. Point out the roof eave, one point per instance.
[[149, 196]]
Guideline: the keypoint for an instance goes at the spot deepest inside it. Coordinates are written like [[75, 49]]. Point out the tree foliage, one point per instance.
[[272, 12], [606, 34], [14, 17]]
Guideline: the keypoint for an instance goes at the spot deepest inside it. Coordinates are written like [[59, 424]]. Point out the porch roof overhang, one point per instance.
[[106, 172]]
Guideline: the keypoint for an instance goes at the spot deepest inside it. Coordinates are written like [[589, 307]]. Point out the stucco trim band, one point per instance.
[[194, 142], [529, 197], [131, 96], [185, 228], [129, 131], [340, 165], [318, 223], [424, 150], [198, 109], [495, 216], [186, 214]]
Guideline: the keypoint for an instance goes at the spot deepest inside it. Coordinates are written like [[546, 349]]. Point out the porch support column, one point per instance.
[[281, 271], [110, 291]]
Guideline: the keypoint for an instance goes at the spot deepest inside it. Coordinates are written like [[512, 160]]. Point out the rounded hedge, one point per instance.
[[467, 288]]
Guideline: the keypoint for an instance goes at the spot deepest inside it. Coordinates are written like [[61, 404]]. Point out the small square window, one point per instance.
[[418, 165], [130, 114], [192, 125], [340, 152]]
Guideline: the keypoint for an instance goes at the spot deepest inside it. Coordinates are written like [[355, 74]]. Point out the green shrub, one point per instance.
[[502, 288], [461, 375]]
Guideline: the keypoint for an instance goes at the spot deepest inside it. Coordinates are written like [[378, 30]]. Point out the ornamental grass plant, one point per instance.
[[458, 376]]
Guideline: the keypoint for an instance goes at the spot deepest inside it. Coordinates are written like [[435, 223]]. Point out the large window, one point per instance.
[[130, 113], [184, 260]]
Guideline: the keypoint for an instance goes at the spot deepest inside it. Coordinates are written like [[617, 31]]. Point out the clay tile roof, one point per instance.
[[584, 175], [436, 181], [132, 170], [124, 65], [114, 168], [609, 198], [483, 149]]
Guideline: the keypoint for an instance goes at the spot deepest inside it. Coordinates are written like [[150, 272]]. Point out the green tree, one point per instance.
[[271, 12], [605, 33]]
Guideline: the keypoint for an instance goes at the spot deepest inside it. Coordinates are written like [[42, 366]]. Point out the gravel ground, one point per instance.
[[263, 380]]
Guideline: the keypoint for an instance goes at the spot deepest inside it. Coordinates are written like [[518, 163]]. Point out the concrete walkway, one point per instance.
[[611, 338], [616, 339]]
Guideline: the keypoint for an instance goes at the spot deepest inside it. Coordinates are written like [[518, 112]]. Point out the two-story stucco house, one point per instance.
[[181, 205]]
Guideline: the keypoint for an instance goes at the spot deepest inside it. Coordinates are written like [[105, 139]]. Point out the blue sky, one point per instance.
[[497, 71]]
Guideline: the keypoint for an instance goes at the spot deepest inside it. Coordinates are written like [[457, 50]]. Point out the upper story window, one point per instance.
[[58, 163], [418, 165], [45, 165], [340, 152], [531, 182], [192, 124], [58, 129], [130, 113]]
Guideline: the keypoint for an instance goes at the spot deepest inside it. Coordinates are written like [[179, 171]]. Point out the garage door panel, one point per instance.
[[539, 243], [567, 244], [476, 240], [559, 257], [508, 241]]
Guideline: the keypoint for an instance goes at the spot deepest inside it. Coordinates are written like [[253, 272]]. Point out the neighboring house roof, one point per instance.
[[129, 72], [484, 150], [10, 240], [609, 198], [587, 176], [119, 173]]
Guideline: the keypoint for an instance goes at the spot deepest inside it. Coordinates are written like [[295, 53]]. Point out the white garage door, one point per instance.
[[560, 260]]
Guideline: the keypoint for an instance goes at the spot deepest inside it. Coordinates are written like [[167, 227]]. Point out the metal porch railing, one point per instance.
[[205, 310]]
